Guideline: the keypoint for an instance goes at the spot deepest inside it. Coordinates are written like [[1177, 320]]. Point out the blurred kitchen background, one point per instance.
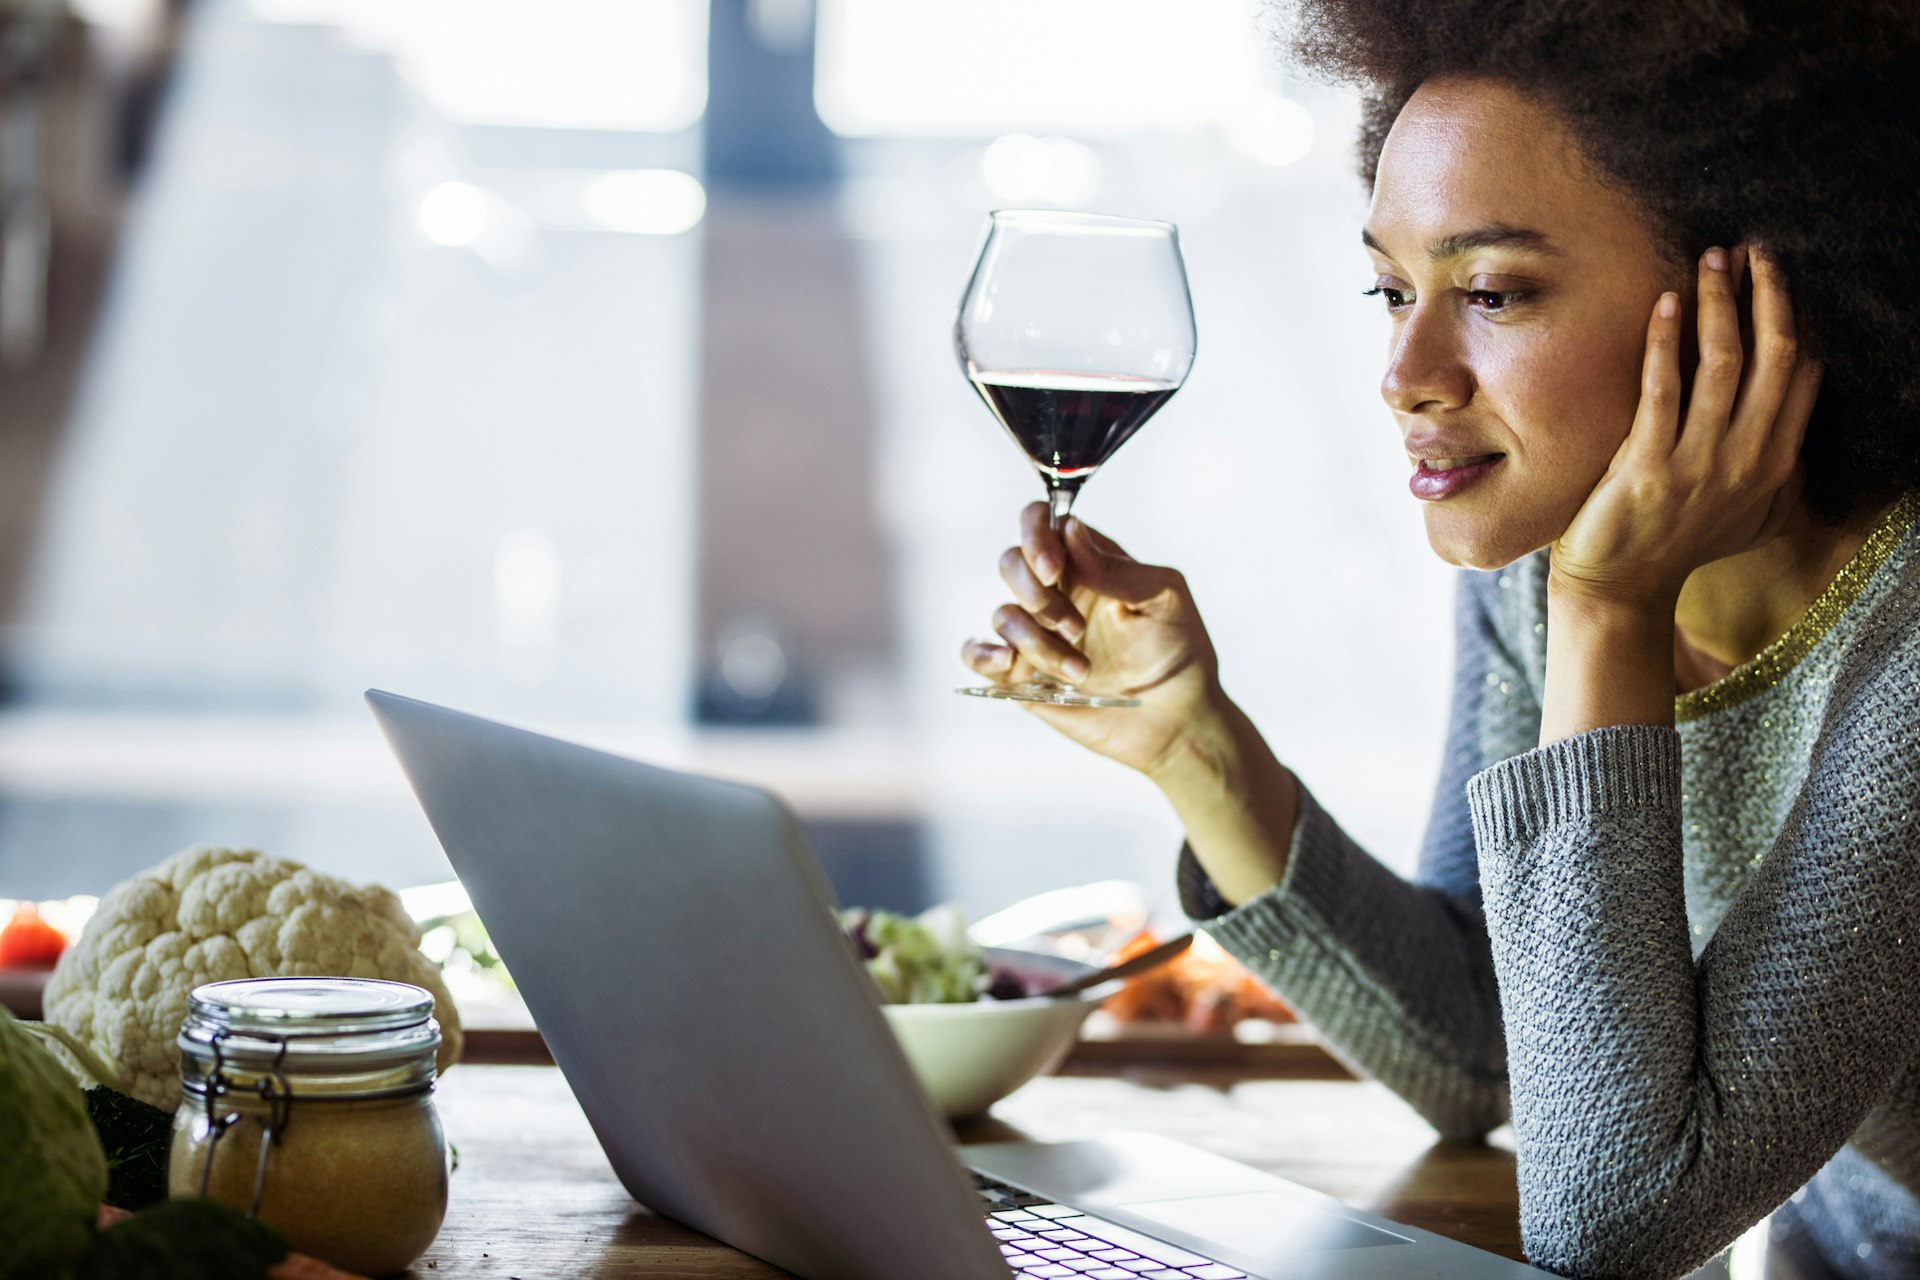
[[587, 363]]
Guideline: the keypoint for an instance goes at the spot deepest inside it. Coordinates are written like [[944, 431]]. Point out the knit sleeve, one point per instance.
[[1663, 1104], [1397, 976]]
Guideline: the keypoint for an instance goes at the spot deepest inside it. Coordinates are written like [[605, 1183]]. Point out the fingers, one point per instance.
[[1716, 379], [1803, 388], [987, 658], [1039, 646], [1100, 541], [999, 663], [1752, 392], [1657, 423], [1049, 604], [1041, 544], [1098, 565], [1776, 382], [1044, 547]]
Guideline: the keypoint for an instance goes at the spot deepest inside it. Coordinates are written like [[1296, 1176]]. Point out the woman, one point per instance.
[[1656, 365]]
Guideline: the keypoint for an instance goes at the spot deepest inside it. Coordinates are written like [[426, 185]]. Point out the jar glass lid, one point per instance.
[[307, 1025], [311, 1006], [338, 1037]]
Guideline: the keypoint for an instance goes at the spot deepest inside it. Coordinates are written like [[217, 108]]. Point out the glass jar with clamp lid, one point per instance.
[[308, 1103]]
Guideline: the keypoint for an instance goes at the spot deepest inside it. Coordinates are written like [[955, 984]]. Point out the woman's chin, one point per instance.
[[1484, 542]]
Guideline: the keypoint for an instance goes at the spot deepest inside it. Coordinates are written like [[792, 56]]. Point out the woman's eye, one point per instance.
[[1396, 298], [1491, 300]]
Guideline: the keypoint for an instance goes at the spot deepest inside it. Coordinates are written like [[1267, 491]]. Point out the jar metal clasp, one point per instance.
[[274, 1091]]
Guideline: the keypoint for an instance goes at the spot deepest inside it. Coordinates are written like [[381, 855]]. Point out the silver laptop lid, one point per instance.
[[672, 938]]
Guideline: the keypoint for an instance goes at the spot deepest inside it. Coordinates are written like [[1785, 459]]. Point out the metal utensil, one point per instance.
[[1152, 958]]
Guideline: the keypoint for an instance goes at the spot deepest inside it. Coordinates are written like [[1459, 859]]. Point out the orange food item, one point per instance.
[[298, 1266], [28, 942], [1204, 989]]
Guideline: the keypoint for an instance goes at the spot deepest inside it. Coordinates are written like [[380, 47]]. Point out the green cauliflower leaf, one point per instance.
[[50, 1162]]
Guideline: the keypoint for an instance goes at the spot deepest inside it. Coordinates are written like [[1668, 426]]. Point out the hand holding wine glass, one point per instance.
[[1137, 623], [1074, 328]]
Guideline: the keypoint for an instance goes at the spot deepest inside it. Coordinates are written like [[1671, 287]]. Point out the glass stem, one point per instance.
[[1060, 503]]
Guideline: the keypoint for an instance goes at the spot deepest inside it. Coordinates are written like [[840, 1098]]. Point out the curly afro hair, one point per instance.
[[1792, 122]]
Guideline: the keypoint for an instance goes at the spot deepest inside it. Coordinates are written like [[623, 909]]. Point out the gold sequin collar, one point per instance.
[[1770, 666]]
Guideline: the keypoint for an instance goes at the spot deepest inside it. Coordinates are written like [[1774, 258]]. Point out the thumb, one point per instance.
[[1097, 563]]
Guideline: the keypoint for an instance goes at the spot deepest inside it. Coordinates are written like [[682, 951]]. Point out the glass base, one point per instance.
[[1050, 692]]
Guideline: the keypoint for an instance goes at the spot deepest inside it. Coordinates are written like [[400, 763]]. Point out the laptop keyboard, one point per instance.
[[1045, 1241]]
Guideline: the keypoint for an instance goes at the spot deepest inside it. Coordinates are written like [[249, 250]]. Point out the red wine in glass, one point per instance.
[[1070, 423], [1075, 328]]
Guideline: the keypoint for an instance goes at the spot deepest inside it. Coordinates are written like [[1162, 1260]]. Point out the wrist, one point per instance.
[[1609, 601], [1236, 801], [1579, 618], [1204, 757], [1609, 661]]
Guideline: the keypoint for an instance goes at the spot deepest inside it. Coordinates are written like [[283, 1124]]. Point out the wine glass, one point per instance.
[[1074, 329]]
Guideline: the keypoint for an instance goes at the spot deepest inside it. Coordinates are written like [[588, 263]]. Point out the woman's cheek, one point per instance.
[[1585, 395]]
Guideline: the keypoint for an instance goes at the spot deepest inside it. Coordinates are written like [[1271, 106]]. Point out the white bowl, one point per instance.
[[969, 1056]]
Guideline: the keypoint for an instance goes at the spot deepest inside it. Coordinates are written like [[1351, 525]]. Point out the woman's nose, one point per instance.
[[1425, 369]]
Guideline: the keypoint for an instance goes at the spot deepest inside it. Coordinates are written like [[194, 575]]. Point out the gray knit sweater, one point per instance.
[[1686, 962]]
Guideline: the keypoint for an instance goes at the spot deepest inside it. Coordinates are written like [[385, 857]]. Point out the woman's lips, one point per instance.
[[1437, 478]]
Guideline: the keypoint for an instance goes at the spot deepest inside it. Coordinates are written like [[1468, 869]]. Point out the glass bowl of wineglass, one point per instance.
[[1074, 328]]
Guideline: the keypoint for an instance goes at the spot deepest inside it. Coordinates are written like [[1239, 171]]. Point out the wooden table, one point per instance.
[[534, 1196]]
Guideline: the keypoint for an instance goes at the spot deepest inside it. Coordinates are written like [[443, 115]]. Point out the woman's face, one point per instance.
[[1520, 288]]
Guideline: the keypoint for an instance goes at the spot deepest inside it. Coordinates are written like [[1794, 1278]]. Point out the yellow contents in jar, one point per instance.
[[360, 1183]]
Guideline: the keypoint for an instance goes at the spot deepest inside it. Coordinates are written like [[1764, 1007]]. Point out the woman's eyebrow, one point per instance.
[[1496, 236]]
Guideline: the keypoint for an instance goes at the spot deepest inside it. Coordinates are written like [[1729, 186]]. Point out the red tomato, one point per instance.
[[28, 942]]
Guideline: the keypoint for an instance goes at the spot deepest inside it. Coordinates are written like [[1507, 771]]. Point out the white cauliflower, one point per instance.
[[207, 915]]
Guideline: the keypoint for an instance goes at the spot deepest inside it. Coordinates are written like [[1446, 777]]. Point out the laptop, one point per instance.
[[673, 937]]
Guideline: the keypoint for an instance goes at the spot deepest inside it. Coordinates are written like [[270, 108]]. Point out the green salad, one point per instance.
[[923, 959]]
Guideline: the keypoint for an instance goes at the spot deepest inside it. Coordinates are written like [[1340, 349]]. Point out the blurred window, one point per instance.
[[560, 64], [1102, 68]]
